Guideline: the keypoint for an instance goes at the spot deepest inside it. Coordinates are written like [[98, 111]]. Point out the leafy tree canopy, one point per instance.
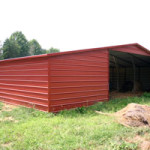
[[35, 47], [10, 49], [53, 50], [18, 46], [21, 40]]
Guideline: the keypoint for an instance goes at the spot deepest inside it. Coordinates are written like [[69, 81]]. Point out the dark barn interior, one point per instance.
[[128, 72]]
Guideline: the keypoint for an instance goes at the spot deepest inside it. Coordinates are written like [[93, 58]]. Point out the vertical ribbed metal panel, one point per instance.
[[25, 82], [79, 79]]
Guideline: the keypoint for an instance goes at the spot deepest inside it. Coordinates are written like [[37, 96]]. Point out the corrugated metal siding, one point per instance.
[[131, 49], [78, 79], [25, 82]]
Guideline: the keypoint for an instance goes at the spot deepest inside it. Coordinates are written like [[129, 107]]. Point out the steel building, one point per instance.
[[53, 82]]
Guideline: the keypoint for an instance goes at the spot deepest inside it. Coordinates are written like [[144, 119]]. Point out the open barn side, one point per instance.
[[129, 72]]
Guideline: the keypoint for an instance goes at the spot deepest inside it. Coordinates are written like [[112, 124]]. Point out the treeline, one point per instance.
[[18, 46]]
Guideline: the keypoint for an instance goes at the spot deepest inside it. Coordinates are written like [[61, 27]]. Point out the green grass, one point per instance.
[[79, 129]]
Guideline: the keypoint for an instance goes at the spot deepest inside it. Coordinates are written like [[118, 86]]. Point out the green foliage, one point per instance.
[[44, 51], [124, 146], [10, 49], [1, 51], [19, 38], [81, 110], [15, 46], [18, 46], [146, 94], [53, 50], [117, 104], [35, 47], [1, 105], [1, 57]]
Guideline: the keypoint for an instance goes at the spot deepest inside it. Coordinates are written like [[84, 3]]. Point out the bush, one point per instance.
[[146, 94]]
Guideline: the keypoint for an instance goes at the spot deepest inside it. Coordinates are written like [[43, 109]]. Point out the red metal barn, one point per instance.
[[53, 82]]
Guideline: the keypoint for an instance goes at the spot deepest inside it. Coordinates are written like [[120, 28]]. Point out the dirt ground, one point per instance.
[[8, 107], [144, 143], [115, 94]]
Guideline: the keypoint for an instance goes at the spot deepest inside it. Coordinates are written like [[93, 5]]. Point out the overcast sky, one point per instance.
[[77, 24]]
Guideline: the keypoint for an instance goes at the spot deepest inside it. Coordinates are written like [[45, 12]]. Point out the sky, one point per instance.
[[77, 24]]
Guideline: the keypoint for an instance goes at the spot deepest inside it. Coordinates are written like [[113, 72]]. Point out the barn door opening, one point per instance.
[[129, 73]]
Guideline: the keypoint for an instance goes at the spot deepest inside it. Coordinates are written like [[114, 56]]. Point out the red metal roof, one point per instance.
[[135, 45]]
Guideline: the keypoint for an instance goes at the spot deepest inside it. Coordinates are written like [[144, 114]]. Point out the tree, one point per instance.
[[44, 51], [18, 46], [53, 50], [19, 38], [1, 51], [10, 49], [35, 47]]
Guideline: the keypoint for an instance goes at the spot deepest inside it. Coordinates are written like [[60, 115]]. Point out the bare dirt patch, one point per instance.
[[8, 119], [7, 107], [115, 94], [6, 145], [145, 145], [143, 142]]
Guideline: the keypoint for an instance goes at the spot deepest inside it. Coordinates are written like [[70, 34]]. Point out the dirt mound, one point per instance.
[[143, 142], [134, 115], [145, 145]]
